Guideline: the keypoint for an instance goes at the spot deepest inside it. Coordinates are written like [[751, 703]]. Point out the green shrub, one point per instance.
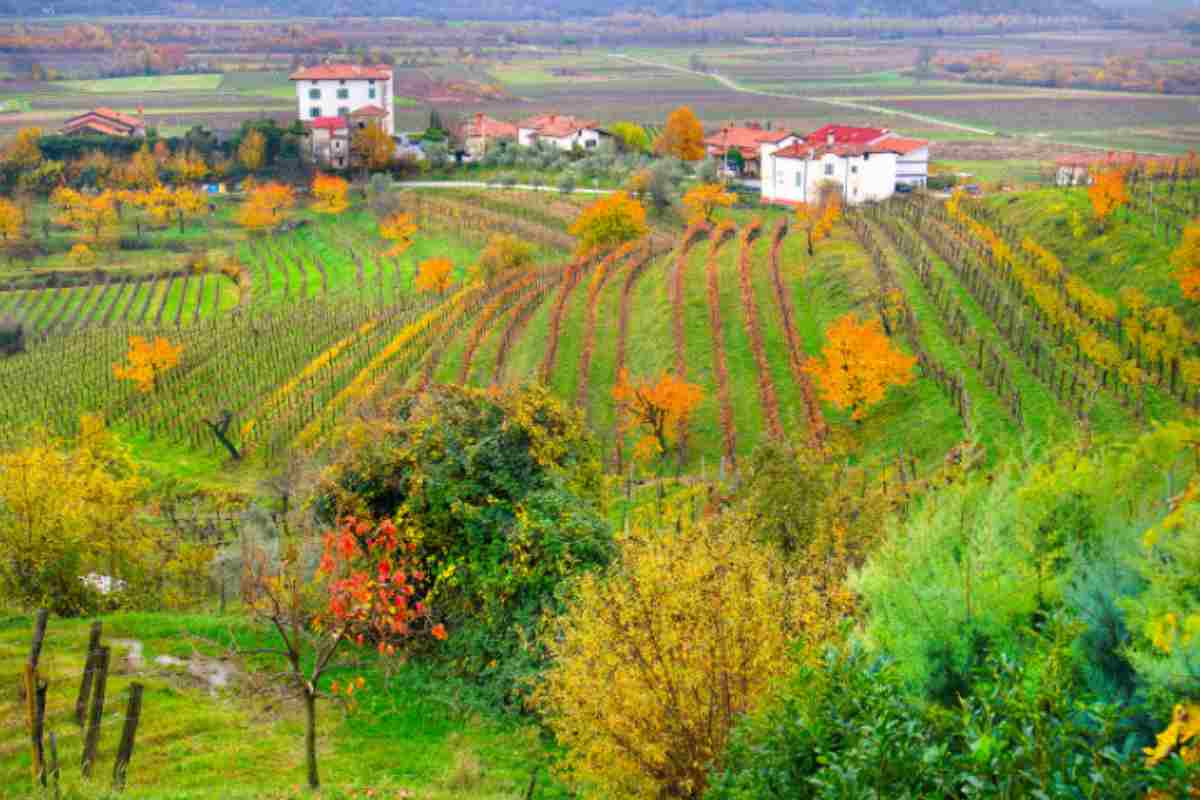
[[502, 493]]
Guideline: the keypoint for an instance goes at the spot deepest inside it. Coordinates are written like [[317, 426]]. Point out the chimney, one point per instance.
[[829, 139]]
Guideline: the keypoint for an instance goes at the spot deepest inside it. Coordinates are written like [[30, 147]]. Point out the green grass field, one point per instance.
[[413, 733], [146, 83]]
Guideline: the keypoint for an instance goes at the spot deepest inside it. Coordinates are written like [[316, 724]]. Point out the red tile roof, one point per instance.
[[901, 145], [812, 152], [105, 120], [368, 111], [557, 126], [845, 134], [483, 125], [746, 140], [327, 123], [342, 72]]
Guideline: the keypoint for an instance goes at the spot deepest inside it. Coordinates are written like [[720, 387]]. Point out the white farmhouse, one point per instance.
[[564, 132], [795, 173], [335, 99]]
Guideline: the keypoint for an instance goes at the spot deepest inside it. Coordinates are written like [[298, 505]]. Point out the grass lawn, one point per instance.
[[414, 733], [146, 83]]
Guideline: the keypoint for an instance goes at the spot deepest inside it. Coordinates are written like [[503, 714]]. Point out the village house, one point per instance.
[[483, 132], [562, 131], [106, 122], [334, 100], [861, 164], [739, 148]]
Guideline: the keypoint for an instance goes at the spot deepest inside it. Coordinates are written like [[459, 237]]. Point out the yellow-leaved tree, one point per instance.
[[659, 408], [610, 221], [12, 220], [252, 151], [265, 206], [1186, 261], [399, 229], [94, 217], [330, 192], [433, 275], [682, 136], [504, 252], [373, 147], [655, 660], [25, 150], [858, 365], [702, 202], [816, 219], [68, 509], [147, 361]]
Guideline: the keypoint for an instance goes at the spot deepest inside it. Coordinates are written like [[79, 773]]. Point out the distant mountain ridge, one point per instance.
[[553, 9]]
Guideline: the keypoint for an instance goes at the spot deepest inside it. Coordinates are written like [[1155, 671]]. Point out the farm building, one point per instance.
[[327, 141], [866, 164], [359, 94], [106, 122], [482, 131], [1077, 169], [740, 146], [563, 131], [798, 172]]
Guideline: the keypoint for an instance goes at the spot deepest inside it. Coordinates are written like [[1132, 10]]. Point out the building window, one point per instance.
[[371, 93], [590, 143], [854, 170], [799, 179], [344, 111], [343, 94], [828, 167], [314, 112], [314, 94]]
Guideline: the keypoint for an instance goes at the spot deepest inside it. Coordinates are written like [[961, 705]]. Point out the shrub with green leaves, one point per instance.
[[501, 491]]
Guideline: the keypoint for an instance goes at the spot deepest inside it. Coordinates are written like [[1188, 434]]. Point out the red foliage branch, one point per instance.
[[725, 231], [643, 260], [766, 386], [604, 271], [796, 359], [574, 273]]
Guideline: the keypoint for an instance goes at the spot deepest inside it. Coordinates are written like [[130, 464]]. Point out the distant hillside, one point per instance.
[[551, 9]]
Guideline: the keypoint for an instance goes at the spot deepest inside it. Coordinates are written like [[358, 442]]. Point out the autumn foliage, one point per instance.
[[1186, 261], [858, 365], [265, 206], [659, 408], [610, 221], [702, 202], [399, 229], [1107, 193], [330, 193], [252, 151], [504, 252], [93, 216], [373, 147], [817, 219], [433, 275], [682, 137], [12, 220], [147, 361]]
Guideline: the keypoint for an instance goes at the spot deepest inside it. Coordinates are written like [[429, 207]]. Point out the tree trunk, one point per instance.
[[310, 738]]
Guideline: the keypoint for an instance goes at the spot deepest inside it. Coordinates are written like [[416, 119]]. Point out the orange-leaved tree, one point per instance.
[[433, 275], [504, 252], [265, 205], [609, 222], [373, 147], [252, 151], [147, 361], [330, 192], [399, 229], [1107, 194], [12, 220], [682, 136], [1186, 261], [702, 202], [858, 365], [817, 218], [364, 593], [660, 408]]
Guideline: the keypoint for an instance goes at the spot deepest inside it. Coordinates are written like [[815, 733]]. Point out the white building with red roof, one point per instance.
[[562, 131], [747, 142], [482, 132], [861, 164], [333, 100]]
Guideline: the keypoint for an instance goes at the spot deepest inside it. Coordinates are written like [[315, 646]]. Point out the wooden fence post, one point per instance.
[[85, 684], [52, 768], [35, 713], [100, 680], [133, 712]]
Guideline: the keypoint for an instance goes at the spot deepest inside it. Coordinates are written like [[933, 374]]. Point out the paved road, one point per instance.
[[485, 185]]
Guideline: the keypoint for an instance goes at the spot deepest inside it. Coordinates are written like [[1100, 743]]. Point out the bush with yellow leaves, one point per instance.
[[655, 660]]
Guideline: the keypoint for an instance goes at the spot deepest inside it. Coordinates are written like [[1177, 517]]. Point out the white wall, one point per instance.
[[358, 94], [913, 168], [588, 139], [861, 178]]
